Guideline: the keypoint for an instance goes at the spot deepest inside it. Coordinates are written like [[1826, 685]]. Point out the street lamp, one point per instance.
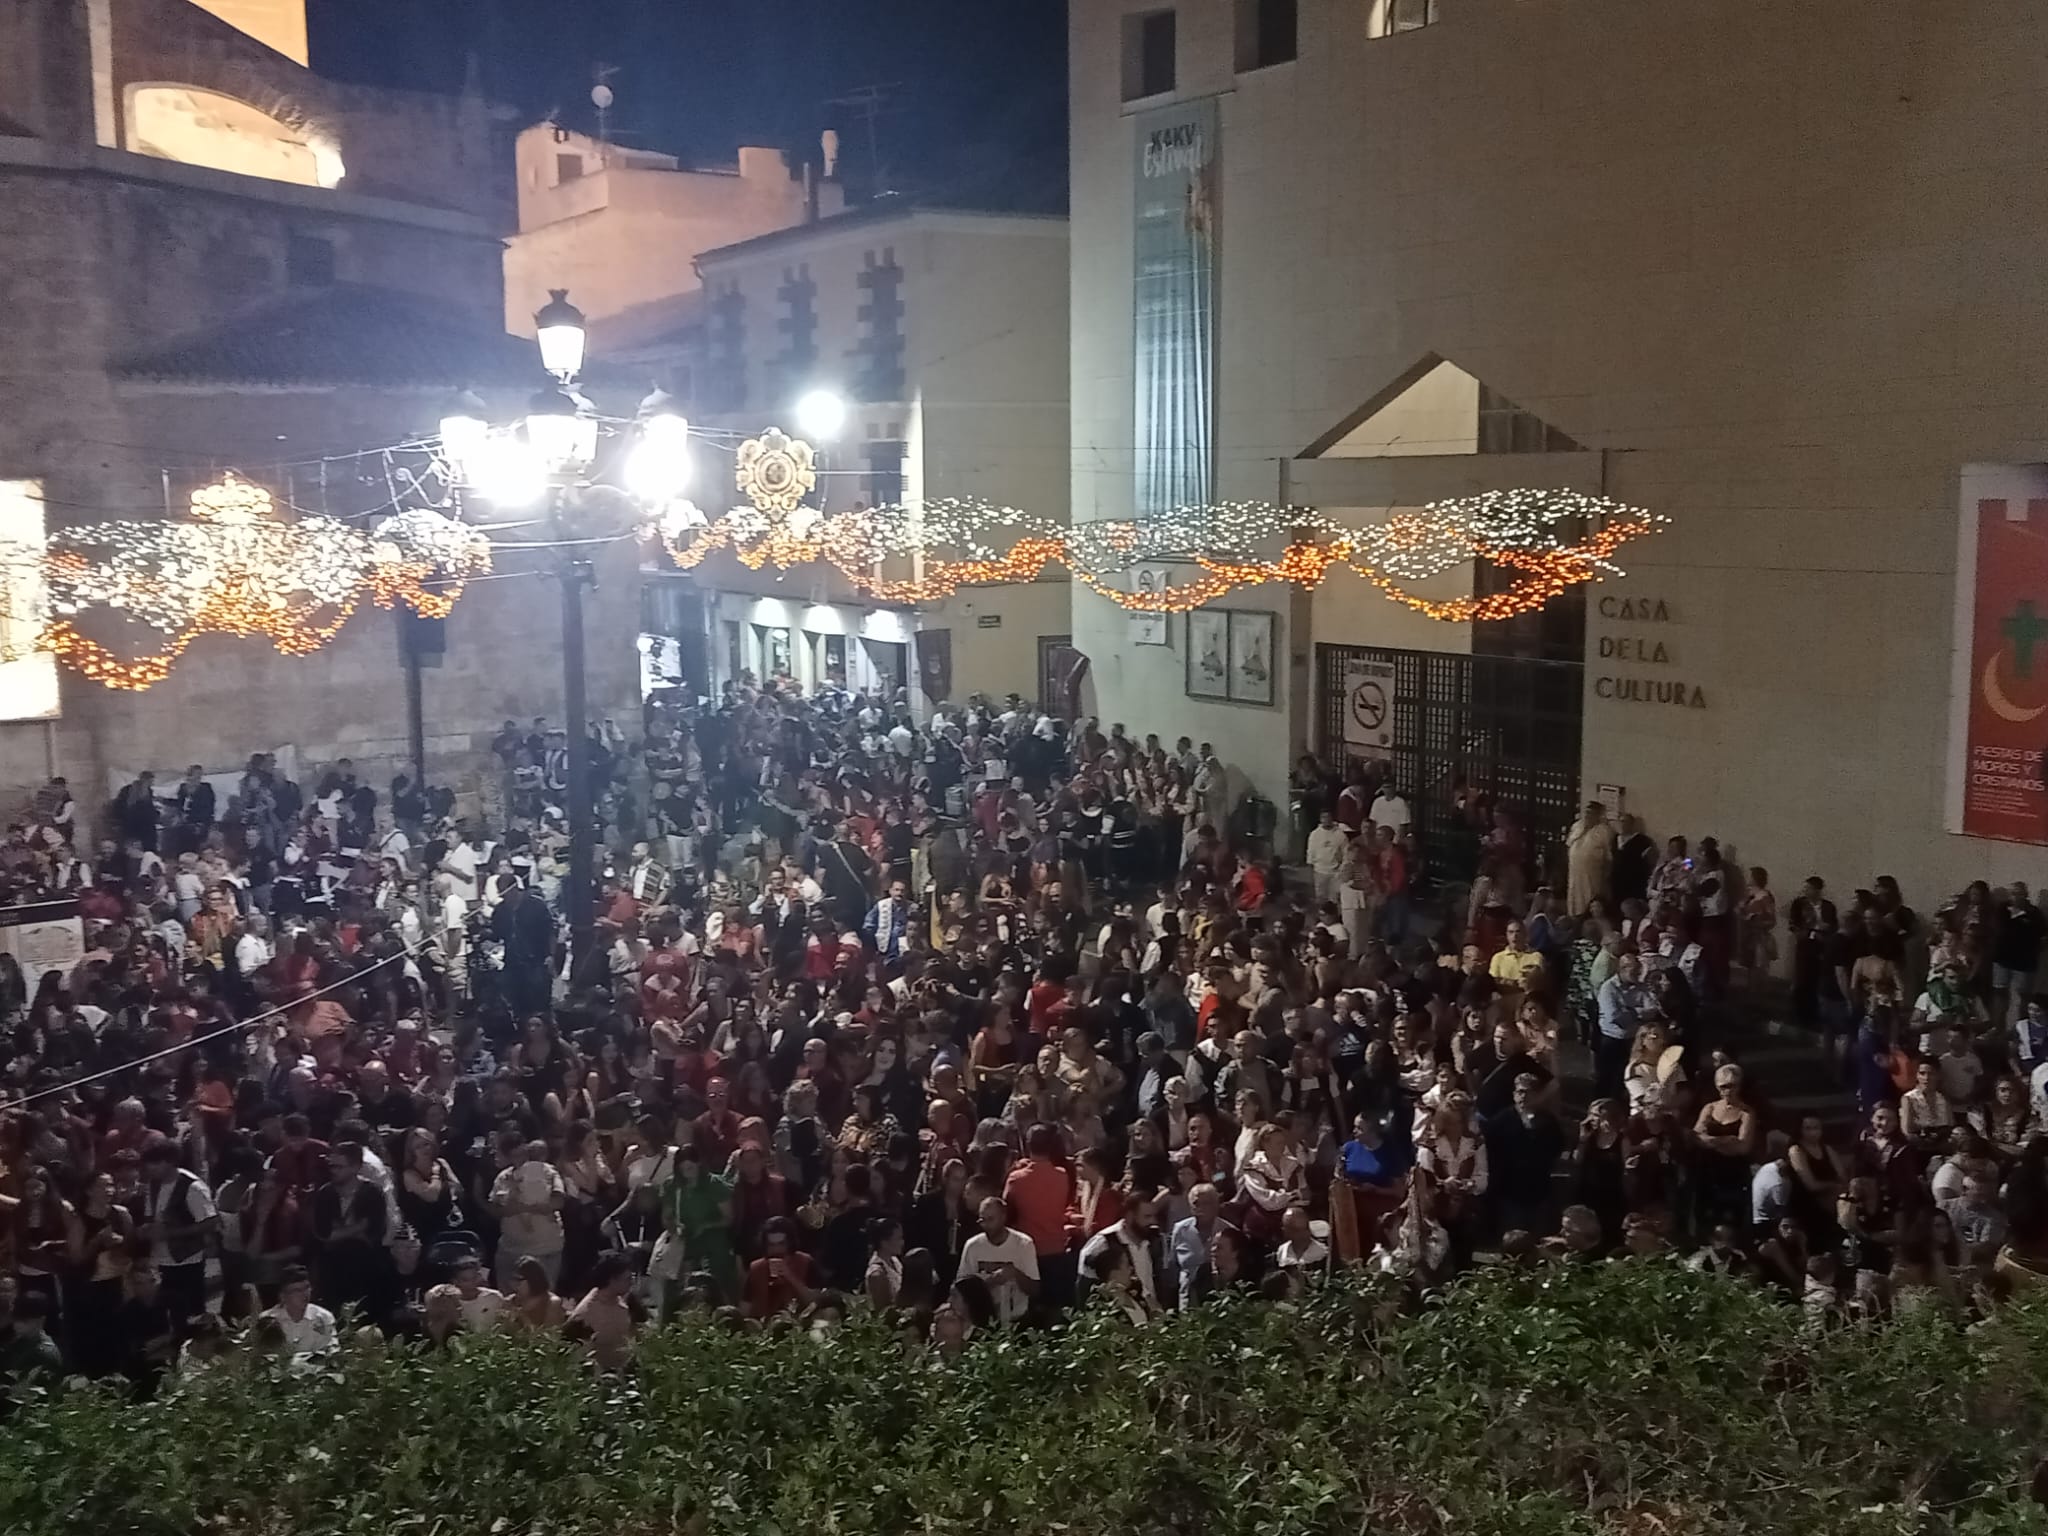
[[659, 466], [558, 326], [463, 431], [549, 455], [820, 415]]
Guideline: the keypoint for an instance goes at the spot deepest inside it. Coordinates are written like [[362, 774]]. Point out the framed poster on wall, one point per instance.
[[1150, 628], [1208, 659], [1251, 657]]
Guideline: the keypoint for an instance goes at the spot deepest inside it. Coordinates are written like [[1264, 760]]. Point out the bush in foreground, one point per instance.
[[1629, 1398]]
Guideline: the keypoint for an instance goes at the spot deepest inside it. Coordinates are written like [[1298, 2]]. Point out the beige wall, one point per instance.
[[278, 24], [623, 236], [985, 365], [1780, 261], [1003, 659]]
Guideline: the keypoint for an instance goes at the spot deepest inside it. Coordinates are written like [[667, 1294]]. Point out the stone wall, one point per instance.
[[104, 253]]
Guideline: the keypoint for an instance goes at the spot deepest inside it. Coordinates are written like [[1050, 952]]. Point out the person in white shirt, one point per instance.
[[1299, 1248], [1136, 1232], [253, 950], [394, 845], [1771, 1187], [188, 886], [1328, 847], [480, 1304], [1002, 1259], [1390, 810], [308, 1330], [461, 863]]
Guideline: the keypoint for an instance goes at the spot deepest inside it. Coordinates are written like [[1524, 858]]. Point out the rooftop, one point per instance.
[[343, 335], [879, 214]]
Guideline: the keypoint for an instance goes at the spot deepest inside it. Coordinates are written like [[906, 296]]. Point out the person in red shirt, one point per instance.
[[1039, 1192], [821, 949], [1097, 1204], [718, 1128], [1250, 886], [301, 1162], [1046, 994], [1390, 864], [782, 1279]]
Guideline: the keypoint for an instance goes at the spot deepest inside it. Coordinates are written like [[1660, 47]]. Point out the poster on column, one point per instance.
[[2000, 728], [1368, 708]]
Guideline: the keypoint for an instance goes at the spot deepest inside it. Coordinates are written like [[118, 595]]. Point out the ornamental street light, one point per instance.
[[551, 456]]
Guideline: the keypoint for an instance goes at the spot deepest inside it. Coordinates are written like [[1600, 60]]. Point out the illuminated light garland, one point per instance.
[[1535, 533], [235, 568]]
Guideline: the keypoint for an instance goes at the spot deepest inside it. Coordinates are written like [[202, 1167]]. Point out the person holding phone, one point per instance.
[[783, 1279], [1002, 1259]]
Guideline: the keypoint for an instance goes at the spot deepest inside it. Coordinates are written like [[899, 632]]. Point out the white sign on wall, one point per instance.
[[1150, 628], [43, 936], [1369, 708]]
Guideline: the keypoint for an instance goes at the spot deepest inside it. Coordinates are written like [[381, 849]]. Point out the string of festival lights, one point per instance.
[[1550, 539], [235, 567], [239, 566]]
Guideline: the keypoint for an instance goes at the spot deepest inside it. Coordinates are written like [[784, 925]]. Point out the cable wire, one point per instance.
[[172, 1050]]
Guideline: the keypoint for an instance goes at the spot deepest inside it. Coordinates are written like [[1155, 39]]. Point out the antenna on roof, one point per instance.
[[602, 97]]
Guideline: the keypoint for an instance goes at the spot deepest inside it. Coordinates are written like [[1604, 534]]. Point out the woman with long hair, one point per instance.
[[428, 1190]]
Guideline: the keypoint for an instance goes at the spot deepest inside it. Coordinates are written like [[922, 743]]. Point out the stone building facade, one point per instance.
[[175, 313]]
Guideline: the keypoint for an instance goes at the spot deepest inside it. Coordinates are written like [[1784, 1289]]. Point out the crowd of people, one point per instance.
[[970, 1020]]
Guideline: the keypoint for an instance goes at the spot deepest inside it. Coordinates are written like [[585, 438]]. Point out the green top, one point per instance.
[[696, 1211]]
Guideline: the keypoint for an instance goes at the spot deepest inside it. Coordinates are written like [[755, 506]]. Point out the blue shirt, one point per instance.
[[1620, 1006], [1381, 1167]]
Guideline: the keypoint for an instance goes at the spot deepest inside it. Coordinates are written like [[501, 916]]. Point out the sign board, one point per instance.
[[988, 621], [43, 936], [1999, 717], [1368, 708], [1150, 628]]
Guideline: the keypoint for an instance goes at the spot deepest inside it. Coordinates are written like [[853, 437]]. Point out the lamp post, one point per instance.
[[551, 455]]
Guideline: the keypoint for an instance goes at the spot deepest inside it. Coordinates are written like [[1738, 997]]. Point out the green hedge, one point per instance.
[[1632, 1398]]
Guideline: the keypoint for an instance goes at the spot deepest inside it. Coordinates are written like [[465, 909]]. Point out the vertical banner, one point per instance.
[[1174, 304], [1368, 708], [2002, 588], [935, 663]]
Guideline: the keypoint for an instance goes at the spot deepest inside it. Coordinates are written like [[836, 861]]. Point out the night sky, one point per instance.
[[974, 91]]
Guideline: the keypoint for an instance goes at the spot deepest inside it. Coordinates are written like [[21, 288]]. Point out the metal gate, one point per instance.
[[1505, 726]]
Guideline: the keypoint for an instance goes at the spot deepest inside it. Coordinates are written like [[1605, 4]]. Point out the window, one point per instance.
[[309, 261], [568, 168], [200, 127], [1148, 54], [1392, 16], [1265, 33], [885, 474]]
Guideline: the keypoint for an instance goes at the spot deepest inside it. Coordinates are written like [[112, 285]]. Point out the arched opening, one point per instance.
[[200, 127]]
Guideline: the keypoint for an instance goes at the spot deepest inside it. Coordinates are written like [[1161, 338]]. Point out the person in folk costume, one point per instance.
[[1591, 859], [647, 880]]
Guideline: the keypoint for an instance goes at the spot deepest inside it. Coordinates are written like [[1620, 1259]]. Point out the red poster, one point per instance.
[[2003, 792]]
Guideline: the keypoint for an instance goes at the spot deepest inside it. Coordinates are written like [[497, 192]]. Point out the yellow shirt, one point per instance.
[[1516, 970]]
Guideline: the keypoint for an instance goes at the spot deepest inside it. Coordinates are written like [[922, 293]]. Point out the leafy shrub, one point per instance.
[[1633, 1399]]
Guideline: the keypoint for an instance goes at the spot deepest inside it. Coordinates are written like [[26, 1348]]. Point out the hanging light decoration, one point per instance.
[[1550, 540], [235, 567]]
